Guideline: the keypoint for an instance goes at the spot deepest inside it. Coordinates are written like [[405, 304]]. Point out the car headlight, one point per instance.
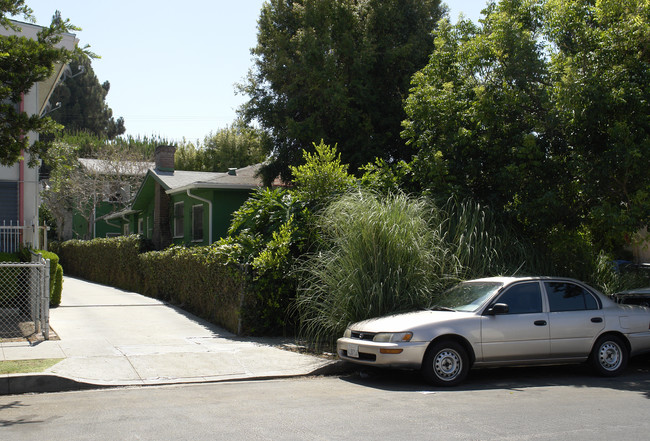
[[347, 333], [393, 337]]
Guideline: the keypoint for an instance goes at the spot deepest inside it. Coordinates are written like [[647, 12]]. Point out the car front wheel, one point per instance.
[[609, 356], [445, 363]]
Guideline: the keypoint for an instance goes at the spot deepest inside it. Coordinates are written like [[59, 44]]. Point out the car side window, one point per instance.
[[522, 298], [563, 296]]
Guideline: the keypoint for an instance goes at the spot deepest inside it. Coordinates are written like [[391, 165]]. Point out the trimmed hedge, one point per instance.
[[113, 261], [197, 279]]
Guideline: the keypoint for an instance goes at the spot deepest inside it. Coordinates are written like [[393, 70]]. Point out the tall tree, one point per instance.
[[541, 111], [82, 101], [336, 70], [601, 76], [477, 112], [24, 62]]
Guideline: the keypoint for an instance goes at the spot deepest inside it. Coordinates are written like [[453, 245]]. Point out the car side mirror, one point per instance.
[[498, 308]]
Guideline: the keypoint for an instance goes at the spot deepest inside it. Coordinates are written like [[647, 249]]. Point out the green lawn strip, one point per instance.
[[27, 366]]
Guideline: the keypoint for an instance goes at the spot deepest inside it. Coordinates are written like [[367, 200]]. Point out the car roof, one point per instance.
[[508, 280]]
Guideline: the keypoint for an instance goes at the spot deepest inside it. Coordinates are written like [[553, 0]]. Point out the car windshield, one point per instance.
[[467, 296]]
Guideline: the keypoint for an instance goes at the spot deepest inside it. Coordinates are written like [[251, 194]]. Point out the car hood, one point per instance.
[[407, 321]]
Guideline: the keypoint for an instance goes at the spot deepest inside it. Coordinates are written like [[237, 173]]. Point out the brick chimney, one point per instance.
[[164, 158], [162, 232]]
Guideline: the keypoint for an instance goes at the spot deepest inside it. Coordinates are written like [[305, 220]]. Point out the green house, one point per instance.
[[98, 226], [185, 207]]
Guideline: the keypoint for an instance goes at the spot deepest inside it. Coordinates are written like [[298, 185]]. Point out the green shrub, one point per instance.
[[9, 257], [322, 176], [56, 276], [273, 228], [268, 232], [56, 272], [57, 287]]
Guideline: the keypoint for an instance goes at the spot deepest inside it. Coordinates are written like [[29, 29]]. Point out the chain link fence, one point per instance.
[[25, 300]]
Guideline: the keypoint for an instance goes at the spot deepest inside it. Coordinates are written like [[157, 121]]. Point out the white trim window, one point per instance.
[[140, 226], [179, 219], [125, 229], [197, 223]]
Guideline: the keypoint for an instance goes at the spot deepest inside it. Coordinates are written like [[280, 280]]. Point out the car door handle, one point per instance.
[[597, 320], [540, 322]]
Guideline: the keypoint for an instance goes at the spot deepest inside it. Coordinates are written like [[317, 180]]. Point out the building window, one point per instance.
[[179, 211], [140, 226], [197, 223], [125, 229]]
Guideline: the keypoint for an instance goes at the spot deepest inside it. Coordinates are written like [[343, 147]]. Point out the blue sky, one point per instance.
[[173, 65]]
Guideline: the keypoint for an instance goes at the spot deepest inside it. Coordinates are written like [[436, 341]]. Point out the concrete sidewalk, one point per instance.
[[108, 337]]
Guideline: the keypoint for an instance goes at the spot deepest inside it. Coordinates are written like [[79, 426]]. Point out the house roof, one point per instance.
[[180, 181], [242, 178], [105, 167]]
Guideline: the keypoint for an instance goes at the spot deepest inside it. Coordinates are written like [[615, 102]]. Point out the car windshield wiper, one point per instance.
[[440, 308]]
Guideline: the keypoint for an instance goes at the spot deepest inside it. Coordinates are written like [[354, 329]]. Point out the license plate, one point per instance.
[[353, 351]]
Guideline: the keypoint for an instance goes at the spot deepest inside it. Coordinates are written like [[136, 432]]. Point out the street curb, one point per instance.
[[18, 384]]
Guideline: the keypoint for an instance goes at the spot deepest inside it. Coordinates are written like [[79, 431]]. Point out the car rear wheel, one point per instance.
[[609, 356], [445, 363]]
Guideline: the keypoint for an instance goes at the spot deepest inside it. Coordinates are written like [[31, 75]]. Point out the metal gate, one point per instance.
[[25, 299]]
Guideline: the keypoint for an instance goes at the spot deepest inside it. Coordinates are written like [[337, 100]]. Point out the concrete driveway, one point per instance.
[[110, 337]]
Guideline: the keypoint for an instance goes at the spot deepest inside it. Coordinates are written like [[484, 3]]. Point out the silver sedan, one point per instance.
[[503, 321]]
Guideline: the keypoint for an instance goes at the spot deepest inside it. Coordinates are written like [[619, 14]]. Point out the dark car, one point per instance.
[[639, 296]]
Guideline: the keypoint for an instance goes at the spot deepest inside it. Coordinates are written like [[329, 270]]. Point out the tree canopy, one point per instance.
[[540, 111], [24, 62], [235, 146], [82, 101], [600, 69], [336, 70]]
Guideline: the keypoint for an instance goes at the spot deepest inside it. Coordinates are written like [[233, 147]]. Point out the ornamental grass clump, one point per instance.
[[380, 256], [481, 244], [388, 254]]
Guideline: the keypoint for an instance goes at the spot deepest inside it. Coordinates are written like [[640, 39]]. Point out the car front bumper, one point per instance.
[[404, 355]]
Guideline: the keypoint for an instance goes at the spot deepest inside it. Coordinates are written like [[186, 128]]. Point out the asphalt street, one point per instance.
[[553, 403]]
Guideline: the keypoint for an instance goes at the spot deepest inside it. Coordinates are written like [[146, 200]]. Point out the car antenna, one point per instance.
[[517, 270]]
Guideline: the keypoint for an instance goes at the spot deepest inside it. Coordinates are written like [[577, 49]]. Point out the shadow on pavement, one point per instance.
[[636, 378]]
